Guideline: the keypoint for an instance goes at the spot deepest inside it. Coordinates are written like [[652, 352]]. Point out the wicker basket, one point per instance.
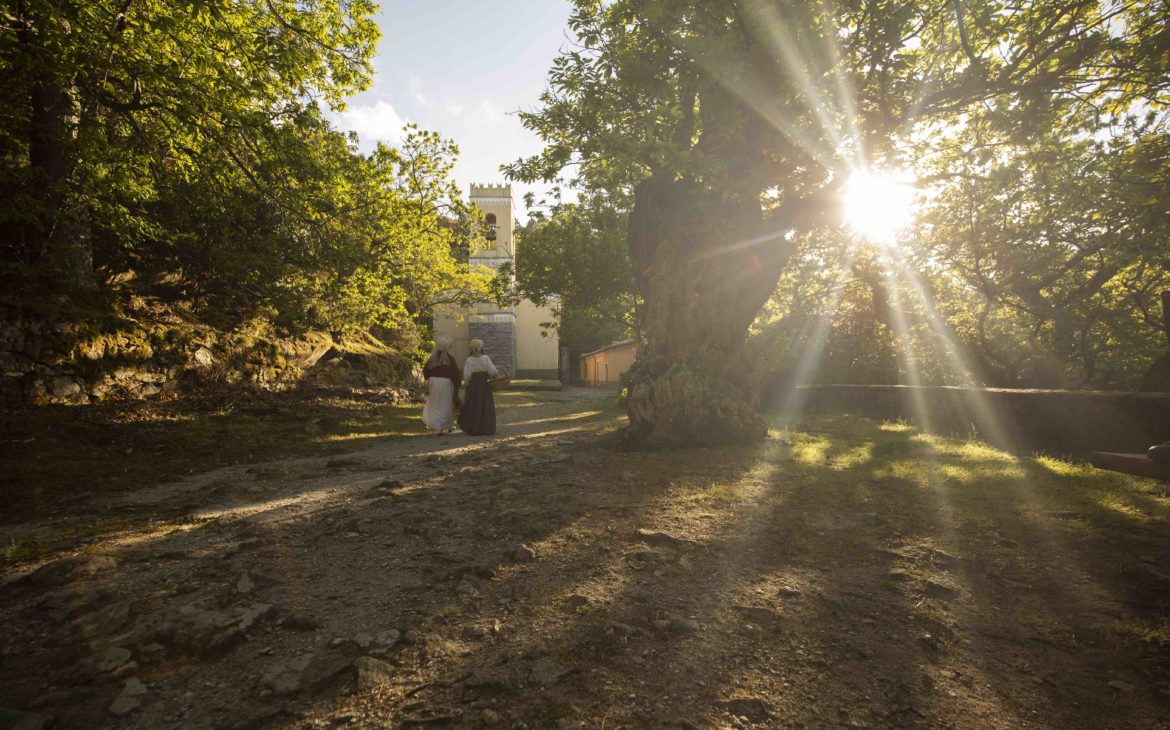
[[499, 383]]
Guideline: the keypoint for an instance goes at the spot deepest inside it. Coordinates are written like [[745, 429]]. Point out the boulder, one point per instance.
[[372, 673], [203, 358], [66, 388], [207, 633], [285, 678], [753, 708]]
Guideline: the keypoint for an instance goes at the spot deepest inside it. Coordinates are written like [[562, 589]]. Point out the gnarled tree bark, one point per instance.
[[704, 266]]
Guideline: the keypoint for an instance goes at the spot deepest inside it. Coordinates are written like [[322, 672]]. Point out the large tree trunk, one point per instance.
[[54, 118], [704, 266]]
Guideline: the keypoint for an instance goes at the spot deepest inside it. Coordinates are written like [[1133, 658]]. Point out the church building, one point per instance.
[[513, 337]]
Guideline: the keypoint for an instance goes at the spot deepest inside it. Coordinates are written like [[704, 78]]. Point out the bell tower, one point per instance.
[[515, 338], [495, 326], [495, 247]]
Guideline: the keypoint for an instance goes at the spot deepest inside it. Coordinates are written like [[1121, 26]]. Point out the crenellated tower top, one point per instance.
[[491, 190]]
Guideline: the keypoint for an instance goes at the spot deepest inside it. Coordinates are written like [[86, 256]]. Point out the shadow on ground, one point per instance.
[[845, 573]]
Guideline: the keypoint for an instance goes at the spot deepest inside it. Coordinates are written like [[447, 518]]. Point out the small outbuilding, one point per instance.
[[603, 368]]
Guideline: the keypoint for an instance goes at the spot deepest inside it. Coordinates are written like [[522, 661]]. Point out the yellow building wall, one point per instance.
[[605, 368], [452, 321], [535, 351]]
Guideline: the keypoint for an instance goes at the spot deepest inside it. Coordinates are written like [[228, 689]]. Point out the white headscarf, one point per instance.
[[439, 355], [476, 346]]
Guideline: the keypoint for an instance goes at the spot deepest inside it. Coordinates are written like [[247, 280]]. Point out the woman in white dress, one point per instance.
[[478, 415], [442, 376]]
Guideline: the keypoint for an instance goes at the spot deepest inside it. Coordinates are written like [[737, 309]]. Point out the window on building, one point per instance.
[[490, 237]]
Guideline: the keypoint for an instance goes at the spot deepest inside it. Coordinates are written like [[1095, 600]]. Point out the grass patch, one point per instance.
[[56, 454], [87, 533], [1157, 634], [971, 476]]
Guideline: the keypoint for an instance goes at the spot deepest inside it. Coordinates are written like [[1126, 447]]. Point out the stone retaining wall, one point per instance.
[[44, 363], [1060, 421], [498, 332]]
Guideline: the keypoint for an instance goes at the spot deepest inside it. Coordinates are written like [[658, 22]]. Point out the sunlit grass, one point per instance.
[[565, 417], [909, 470], [1119, 505], [1157, 634], [90, 535], [855, 456], [362, 436], [954, 472], [714, 493], [809, 449], [963, 448], [967, 471], [1064, 468]]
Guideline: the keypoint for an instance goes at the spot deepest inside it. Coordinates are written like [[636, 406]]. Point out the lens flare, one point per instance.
[[878, 205]]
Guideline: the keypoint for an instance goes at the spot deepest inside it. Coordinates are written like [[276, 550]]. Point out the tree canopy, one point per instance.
[[185, 147], [572, 257], [735, 124]]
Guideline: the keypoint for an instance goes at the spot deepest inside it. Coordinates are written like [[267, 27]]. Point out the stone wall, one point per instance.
[[498, 332], [1060, 421], [44, 363]]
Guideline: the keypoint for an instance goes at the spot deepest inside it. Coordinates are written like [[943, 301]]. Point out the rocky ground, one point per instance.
[[844, 574]]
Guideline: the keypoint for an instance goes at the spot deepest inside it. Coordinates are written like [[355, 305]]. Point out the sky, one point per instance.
[[462, 68]]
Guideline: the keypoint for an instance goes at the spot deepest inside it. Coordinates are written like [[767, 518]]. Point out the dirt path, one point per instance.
[[845, 575], [258, 486], [291, 482]]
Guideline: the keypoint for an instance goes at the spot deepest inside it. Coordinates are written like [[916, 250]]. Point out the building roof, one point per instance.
[[610, 346]]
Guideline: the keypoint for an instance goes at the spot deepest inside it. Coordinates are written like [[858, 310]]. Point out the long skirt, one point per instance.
[[478, 415], [439, 412]]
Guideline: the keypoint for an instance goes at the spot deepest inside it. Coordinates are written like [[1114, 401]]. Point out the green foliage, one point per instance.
[[183, 148], [1037, 258], [1039, 132], [574, 259], [1050, 251]]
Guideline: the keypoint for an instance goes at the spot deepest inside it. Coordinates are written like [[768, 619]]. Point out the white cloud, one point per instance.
[[374, 122]]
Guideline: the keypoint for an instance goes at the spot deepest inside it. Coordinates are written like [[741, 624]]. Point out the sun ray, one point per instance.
[[986, 419], [757, 95], [906, 353], [785, 47], [740, 245], [792, 404]]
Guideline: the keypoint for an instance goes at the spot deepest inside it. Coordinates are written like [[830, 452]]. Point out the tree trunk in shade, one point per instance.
[[704, 266], [54, 118], [1157, 378]]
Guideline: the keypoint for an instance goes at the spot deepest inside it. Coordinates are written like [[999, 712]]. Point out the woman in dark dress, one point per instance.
[[478, 415]]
